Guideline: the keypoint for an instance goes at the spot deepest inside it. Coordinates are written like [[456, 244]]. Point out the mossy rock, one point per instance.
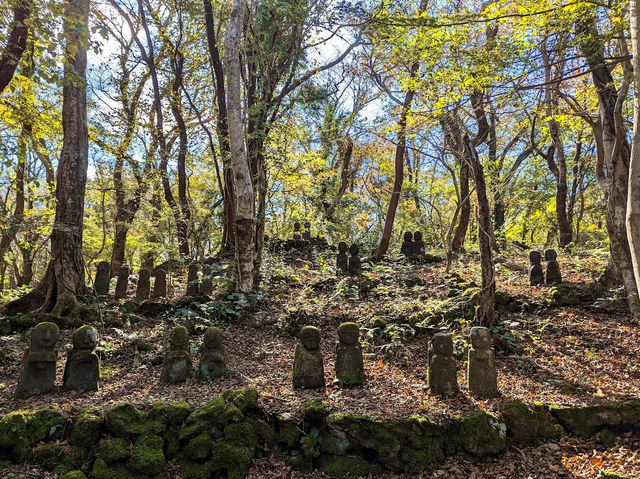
[[502, 298], [172, 441], [87, 429], [113, 450], [611, 475], [193, 470], [265, 431], [199, 448], [214, 413], [310, 445], [480, 434], [235, 460], [314, 410], [344, 466], [172, 413], [367, 433], [148, 455], [586, 421], [101, 470], [48, 456], [422, 444], [77, 474], [125, 420], [526, 423], [19, 430], [245, 399], [287, 430], [241, 434], [607, 438]]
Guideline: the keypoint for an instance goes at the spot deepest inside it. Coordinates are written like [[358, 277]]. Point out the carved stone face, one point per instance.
[[408, 236], [480, 337], [310, 337], [349, 333], [212, 338], [342, 246], [179, 338], [535, 257], [354, 249], [44, 335], [85, 337], [442, 343], [550, 255]]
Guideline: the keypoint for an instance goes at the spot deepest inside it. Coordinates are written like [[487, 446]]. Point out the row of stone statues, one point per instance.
[[38, 374], [412, 244], [536, 274], [348, 264]]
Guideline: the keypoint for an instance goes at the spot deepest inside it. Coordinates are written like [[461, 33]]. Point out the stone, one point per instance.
[[482, 364], [308, 367], [536, 275], [553, 274], [160, 284], [407, 244], [354, 260], [213, 360], [122, 283], [206, 284], [193, 286], [144, 285], [442, 374], [418, 245], [177, 366], [39, 366], [349, 361], [296, 232], [306, 234], [82, 371], [342, 262], [101, 284]]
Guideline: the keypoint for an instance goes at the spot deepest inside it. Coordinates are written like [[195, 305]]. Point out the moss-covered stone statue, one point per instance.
[[342, 260], [442, 374], [553, 274], [308, 367], [193, 282], [482, 364], [536, 275], [122, 282], [101, 283], [160, 284], [143, 289], [82, 371], [177, 366], [349, 362], [213, 360], [39, 366]]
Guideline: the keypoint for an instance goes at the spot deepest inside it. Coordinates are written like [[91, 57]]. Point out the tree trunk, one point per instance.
[[244, 217], [465, 210], [63, 282], [16, 42]]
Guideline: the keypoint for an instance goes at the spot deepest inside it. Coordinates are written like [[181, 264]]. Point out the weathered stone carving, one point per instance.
[[193, 282], [144, 285], [407, 244], [39, 365], [342, 261], [206, 283], [177, 366], [213, 360], [308, 367], [160, 284], [536, 275], [82, 371], [101, 285], [418, 245], [553, 274], [442, 375], [354, 260], [482, 364], [122, 283], [349, 361]]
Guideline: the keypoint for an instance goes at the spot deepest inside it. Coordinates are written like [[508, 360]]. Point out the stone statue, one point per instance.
[[160, 285], [536, 275], [349, 362], [122, 283], [101, 285], [407, 244], [442, 375], [308, 367], [213, 360], [206, 284], [354, 260], [418, 244], [296, 231], [482, 364], [82, 371], [39, 365], [177, 366], [144, 285], [552, 275], [306, 234], [342, 262], [193, 286]]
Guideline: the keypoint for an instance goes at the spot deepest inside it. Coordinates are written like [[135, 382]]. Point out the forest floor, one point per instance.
[[557, 346]]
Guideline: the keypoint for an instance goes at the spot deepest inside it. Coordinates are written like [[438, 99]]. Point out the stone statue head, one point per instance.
[[342, 246], [178, 338], [354, 249], [160, 273], [535, 257], [417, 236], [480, 337], [307, 225], [349, 333], [442, 343], [213, 338], [310, 337], [296, 226], [144, 274], [44, 336], [85, 337], [103, 267], [550, 255], [408, 236]]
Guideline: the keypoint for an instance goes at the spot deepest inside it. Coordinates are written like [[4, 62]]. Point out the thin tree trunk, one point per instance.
[[16, 42]]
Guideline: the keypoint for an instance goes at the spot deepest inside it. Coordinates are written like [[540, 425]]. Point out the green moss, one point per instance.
[[480, 434], [148, 456], [199, 448], [310, 445], [77, 474], [366, 432], [341, 466], [125, 420], [214, 413], [526, 423], [193, 470], [86, 429], [100, 470], [20, 430], [113, 450], [171, 413], [265, 432], [415, 460], [586, 421], [241, 434], [245, 399], [48, 456], [288, 432], [611, 475], [235, 460], [607, 438], [171, 441], [314, 409]]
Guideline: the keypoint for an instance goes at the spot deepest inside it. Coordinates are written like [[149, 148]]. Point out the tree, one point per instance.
[[633, 196], [17, 42]]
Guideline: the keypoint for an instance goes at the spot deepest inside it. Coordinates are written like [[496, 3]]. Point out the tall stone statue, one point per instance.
[[177, 366], [206, 284], [82, 371], [39, 365], [354, 260], [553, 274], [342, 261], [418, 244], [213, 360], [407, 244], [349, 361], [536, 275], [306, 234], [442, 374], [296, 231], [482, 364], [308, 367], [160, 284], [122, 283], [193, 283], [143, 290], [101, 284]]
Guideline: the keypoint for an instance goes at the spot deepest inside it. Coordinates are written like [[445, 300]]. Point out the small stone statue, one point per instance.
[[101, 284], [308, 368], [82, 371], [349, 362], [39, 366], [296, 231], [160, 285], [177, 366], [536, 275], [442, 375], [206, 284], [306, 235], [193, 286], [144, 285], [552, 275], [354, 260], [122, 283], [342, 262], [407, 244], [482, 364], [418, 245], [213, 360]]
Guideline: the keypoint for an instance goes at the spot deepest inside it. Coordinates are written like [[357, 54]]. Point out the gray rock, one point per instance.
[[193, 283], [482, 364], [442, 374], [39, 366]]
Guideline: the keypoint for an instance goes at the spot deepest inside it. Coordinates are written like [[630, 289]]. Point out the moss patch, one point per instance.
[[526, 423], [87, 429], [480, 434], [113, 450], [341, 466], [586, 421], [125, 420], [148, 456], [20, 430]]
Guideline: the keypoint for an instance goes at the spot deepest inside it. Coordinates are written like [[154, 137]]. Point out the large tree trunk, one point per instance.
[[465, 209], [244, 218], [16, 43], [63, 282]]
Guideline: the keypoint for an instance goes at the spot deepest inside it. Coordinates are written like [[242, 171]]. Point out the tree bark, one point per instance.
[[16, 43]]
